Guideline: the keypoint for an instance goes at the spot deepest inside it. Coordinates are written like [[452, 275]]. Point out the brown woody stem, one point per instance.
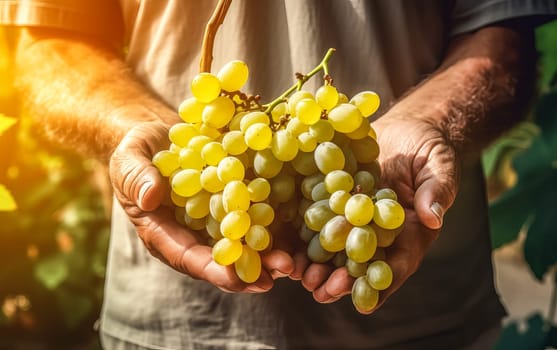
[[210, 32]]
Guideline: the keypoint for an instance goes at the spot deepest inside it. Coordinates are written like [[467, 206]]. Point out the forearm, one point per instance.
[[82, 94], [482, 88]]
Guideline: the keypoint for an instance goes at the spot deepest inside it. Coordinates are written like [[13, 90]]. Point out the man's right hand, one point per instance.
[[142, 191]]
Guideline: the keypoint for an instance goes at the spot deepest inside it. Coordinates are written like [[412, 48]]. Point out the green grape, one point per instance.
[[190, 159], [373, 168], [279, 111], [181, 133], [235, 196], [179, 215], [304, 163], [339, 260], [197, 206], [340, 139], [178, 200], [194, 224], [322, 130], [248, 266], [197, 142], [186, 182], [244, 158], [210, 180], [295, 127], [252, 118], [384, 193], [316, 253], [372, 133], [213, 152], [345, 118], [338, 180], [230, 169], [364, 297], [174, 148], [297, 97], [305, 233], [389, 214], [218, 112], [283, 188], [233, 142], [308, 111], [226, 251], [258, 237], [337, 201], [364, 181], [350, 162], [288, 211], [266, 165], [317, 215], [167, 162], [309, 182], [303, 204], [209, 131], [319, 192], [327, 96], [259, 189], [365, 150], [356, 269], [205, 87], [306, 142], [328, 157], [284, 146], [385, 237], [233, 75], [333, 235], [379, 275], [235, 224], [359, 209], [361, 132], [258, 136], [216, 207], [361, 243], [212, 226], [367, 102], [261, 214], [342, 98], [234, 123], [190, 110]]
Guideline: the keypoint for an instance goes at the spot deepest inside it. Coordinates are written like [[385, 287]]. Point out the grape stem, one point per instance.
[[210, 32], [301, 80]]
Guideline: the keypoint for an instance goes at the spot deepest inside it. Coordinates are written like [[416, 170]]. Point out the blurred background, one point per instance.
[[55, 212]]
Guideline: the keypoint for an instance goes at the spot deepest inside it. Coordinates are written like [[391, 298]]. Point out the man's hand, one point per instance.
[[142, 192], [421, 166]]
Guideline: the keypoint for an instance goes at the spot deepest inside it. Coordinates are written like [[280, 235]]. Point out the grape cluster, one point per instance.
[[239, 169]]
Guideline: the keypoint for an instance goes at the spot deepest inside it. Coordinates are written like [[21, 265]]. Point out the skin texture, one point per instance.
[[99, 108]]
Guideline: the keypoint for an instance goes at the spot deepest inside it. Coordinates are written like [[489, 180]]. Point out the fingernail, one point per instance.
[[144, 188], [277, 274], [437, 210]]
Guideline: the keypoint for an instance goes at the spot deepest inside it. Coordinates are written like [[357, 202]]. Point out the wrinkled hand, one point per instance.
[[422, 167], [142, 192]]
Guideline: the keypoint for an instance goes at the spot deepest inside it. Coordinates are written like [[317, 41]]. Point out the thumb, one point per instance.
[[152, 190], [433, 198]]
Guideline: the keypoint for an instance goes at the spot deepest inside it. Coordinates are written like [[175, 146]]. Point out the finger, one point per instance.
[[315, 275], [337, 285], [301, 263], [278, 263]]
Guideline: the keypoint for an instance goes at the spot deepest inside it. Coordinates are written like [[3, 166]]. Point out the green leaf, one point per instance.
[[546, 37], [52, 271], [6, 122], [532, 338], [75, 307], [7, 202]]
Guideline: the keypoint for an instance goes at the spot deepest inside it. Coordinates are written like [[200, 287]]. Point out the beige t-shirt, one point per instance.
[[385, 46]]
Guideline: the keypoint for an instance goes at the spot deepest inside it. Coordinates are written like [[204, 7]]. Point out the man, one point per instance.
[[452, 76]]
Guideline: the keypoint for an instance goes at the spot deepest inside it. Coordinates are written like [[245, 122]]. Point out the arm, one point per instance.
[[84, 96], [480, 89]]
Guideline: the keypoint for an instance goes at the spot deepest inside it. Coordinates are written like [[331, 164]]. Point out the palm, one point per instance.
[[422, 168], [141, 191]]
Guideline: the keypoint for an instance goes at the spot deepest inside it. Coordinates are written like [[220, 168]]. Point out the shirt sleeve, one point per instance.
[[469, 15], [100, 18]]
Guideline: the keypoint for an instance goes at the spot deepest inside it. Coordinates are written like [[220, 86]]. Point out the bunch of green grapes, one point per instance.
[[239, 169]]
